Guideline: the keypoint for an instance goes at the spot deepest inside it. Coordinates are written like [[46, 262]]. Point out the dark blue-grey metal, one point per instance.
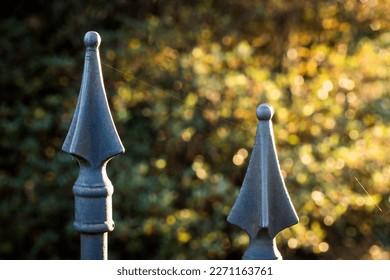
[[93, 140], [263, 207]]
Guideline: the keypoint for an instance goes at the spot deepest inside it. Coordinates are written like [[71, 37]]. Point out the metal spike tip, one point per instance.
[[92, 40], [264, 112], [263, 207], [92, 134]]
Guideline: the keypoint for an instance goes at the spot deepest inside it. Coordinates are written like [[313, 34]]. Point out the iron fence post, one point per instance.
[[263, 207], [92, 140]]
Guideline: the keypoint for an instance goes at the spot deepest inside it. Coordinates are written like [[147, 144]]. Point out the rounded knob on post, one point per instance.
[[92, 39], [264, 112]]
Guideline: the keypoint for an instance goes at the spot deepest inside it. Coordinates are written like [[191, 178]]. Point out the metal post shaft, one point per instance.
[[93, 246]]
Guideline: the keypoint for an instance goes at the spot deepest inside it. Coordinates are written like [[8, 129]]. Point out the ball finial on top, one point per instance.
[[92, 39], [264, 112]]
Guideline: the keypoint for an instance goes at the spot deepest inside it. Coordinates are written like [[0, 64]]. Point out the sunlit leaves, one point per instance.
[[326, 76]]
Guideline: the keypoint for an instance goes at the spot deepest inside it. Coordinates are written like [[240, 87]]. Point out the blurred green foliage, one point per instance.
[[184, 79]]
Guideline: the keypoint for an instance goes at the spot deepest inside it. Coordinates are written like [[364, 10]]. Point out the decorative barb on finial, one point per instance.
[[263, 207], [93, 140]]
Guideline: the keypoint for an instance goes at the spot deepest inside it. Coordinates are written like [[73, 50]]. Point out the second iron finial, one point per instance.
[[263, 207]]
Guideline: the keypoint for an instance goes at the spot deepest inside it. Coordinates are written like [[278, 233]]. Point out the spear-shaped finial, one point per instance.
[[263, 207], [93, 140]]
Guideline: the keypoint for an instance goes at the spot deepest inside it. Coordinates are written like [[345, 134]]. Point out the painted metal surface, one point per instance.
[[93, 140], [263, 207]]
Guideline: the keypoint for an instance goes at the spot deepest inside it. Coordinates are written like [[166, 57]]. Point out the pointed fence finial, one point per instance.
[[93, 140], [263, 207]]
